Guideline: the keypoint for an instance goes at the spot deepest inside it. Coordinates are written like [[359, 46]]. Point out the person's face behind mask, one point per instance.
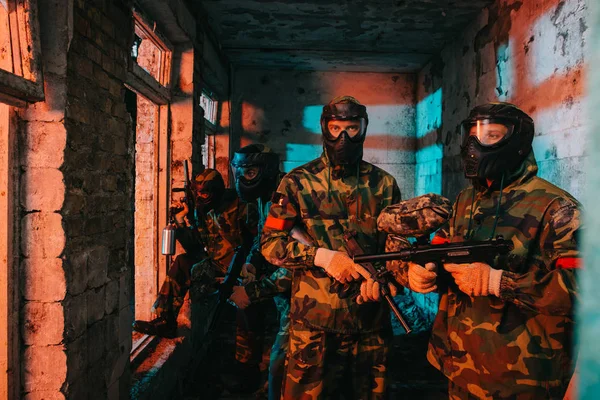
[[208, 190], [335, 128], [343, 140]]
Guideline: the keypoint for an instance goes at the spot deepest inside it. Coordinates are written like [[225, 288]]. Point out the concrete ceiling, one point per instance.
[[344, 35]]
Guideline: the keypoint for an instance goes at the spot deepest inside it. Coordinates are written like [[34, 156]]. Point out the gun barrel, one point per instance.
[[453, 252], [186, 172], [394, 307], [371, 258]]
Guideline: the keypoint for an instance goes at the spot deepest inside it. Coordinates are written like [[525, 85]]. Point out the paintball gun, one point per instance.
[[226, 288], [188, 193], [419, 217], [465, 252], [168, 233], [357, 252], [354, 247]]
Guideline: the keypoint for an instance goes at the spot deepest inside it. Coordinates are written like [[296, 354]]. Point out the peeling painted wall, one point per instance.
[[529, 53], [588, 311], [282, 110], [532, 54]]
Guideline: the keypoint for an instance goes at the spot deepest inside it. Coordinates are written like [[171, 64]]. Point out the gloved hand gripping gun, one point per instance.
[[188, 192], [168, 234], [380, 277], [354, 249], [418, 218]]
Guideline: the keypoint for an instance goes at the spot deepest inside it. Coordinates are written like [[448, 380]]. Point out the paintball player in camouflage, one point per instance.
[[222, 222], [256, 170], [337, 347], [505, 331]]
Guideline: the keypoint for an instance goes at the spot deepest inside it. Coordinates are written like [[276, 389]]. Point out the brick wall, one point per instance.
[[187, 126], [98, 213], [41, 141]]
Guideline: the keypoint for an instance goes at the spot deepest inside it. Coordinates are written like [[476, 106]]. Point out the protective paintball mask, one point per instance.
[[345, 146], [208, 188], [255, 170], [496, 138]]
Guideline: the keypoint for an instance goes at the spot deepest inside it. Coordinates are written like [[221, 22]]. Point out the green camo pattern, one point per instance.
[[520, 343], [221, 232], [326, 202]]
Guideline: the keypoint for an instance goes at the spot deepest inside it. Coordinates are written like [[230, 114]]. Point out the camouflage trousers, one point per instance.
[[174, 288], [250, 333], [280, 347], [250, 322], [456, 392], [323, 365]]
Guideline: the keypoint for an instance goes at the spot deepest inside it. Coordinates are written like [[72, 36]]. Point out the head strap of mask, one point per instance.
[[344, 149]]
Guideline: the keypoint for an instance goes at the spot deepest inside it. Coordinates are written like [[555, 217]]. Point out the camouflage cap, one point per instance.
[[395, 243], [415, 217]]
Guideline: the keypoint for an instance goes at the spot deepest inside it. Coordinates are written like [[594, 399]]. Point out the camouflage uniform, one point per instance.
[[336, 345], [277, 285], [216, 238], [520, 344]]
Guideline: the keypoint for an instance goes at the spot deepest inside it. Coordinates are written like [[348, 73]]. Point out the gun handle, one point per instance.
[[397, 312]]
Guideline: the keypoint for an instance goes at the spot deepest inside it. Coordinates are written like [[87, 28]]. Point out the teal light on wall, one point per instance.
[[504, 71], [428, 172]]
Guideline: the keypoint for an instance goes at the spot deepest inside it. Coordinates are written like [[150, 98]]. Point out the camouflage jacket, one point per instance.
[[220, 231], [522, 341], [327, 202], [277, 280]]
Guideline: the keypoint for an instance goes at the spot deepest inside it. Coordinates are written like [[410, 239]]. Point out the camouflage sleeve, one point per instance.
[[549, 287], [278, 247], [254, 256], [392, 195], [278, 282], [446, 231], [189, 241]]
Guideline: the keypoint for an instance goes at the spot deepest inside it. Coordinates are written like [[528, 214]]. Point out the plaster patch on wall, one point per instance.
[[558, 29]]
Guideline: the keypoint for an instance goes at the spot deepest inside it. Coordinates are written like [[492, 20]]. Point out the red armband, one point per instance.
[[279, 224], [439, 240], [568, 263]]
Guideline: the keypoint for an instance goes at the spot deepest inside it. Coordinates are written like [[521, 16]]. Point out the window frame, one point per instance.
[[9, 275], [158, 91], [26, 83], [211, 126]]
